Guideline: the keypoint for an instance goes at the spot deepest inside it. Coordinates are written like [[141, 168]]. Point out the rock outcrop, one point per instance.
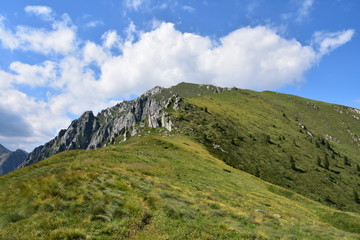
[[91, 132], [119, 121], [77, 136]]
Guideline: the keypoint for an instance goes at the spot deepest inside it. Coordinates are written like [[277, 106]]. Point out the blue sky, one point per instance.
[[61, 58]]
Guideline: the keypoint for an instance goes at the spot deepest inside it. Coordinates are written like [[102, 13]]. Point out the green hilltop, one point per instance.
[[238, 164]]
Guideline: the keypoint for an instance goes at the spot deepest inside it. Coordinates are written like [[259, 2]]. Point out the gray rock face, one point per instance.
[[90, 132], [9, 160], [77, 136]]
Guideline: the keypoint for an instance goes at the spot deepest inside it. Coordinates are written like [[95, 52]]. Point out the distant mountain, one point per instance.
[[3, 150], [9, 161]]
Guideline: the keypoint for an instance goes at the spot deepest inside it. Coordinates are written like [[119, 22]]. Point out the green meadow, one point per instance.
[[157, 187]]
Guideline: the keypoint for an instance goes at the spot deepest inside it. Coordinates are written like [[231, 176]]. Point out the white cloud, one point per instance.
[[38, 123], [7, 39], [93, 53], [155, 23], [257, 58], [89, 76], [33, 75], [134, 4], [130, 32], [328, 41], [110, 39], [304, 10], [61, 39], [188, 8], [93, 24], [42, 11], [248, 58]]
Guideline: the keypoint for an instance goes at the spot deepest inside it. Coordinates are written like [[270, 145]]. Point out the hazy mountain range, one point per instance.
[[9, 160]]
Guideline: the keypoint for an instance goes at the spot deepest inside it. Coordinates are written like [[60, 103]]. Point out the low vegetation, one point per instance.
[[307, 146], [156, 187]]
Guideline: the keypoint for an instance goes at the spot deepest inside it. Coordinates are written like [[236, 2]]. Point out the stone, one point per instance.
[[260, 211]]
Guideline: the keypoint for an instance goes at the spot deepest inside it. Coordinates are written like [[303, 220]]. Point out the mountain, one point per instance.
[[167, 150], [308, 146], [115, 123], [89, 132], [9, 161], [3, 150]]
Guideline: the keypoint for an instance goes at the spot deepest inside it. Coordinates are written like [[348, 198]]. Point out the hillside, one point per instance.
[[9, 161], [307, 146], [310, 147], [157, 187]]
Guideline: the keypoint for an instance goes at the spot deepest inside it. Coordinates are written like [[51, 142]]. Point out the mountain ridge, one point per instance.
[[308, 146], [97, 131]]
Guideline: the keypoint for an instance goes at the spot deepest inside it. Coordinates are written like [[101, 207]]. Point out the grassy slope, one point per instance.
[[261, 132], [157, 188]]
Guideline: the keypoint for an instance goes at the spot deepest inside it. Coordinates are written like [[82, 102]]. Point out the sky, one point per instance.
[[61, 58]]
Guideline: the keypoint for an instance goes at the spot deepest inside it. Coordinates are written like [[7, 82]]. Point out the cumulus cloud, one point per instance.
[[110, 39], [91, 76], [7, 39], [42, 11], [60, 39], [13, 125], [257, 58], [248, 57], [33, 75], [26, 120]]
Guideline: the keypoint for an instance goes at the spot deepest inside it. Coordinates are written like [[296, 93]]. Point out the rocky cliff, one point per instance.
[[118, 122], [121, 121]]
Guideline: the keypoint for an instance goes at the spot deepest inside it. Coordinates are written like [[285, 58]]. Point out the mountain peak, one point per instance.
[[111, 125], [9, 161], [155, 90]]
